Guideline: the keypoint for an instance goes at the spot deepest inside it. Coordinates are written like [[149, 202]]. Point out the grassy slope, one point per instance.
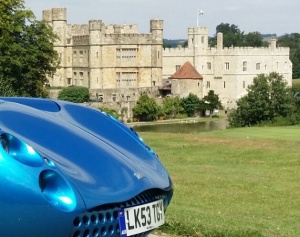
[[237, 182]]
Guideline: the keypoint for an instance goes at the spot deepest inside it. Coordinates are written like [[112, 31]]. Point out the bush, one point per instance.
[[76, 94], [111, 112]]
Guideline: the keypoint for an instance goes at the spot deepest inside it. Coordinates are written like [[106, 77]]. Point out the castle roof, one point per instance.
[[187, 71]]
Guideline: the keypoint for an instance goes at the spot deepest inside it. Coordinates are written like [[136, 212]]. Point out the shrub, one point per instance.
[[76, 94]]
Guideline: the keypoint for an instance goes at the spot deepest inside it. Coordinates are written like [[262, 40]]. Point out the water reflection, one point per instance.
[[184, 127]]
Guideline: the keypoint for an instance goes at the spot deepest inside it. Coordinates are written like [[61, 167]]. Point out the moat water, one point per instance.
[[191, 126]]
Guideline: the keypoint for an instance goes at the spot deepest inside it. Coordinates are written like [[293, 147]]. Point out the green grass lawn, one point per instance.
[[235, 182]]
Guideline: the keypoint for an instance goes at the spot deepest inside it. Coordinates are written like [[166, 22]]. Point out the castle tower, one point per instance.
[[95, 59], [219, 41], [198, 38], [198, 44], [57, 19], [156, 29], [273, 43]]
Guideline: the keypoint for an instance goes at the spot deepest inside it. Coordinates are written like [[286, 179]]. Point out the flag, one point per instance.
[[200, 12]]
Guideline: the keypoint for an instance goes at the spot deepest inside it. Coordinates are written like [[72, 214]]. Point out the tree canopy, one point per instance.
[[146, 108], [233, 36], [212, 101], [76, 94], [268, 98], [293, 42], [27, 56]]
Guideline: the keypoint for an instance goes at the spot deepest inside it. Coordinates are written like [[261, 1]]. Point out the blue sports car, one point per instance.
[[67, 170]]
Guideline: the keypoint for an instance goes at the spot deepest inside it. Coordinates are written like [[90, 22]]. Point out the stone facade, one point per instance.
[[118, 64], [114, 61], [227, 71]]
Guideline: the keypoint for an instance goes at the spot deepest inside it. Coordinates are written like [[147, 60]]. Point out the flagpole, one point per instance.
[[197, 17], [199, 13]]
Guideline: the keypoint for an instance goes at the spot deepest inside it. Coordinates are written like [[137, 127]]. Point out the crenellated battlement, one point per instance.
[[180, 51], [127, 38], [55, 14], [177, 52], [81, 40], [78, 29], [198, 31]]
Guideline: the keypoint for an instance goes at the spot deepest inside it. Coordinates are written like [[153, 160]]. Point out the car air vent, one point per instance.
[[104, 221]]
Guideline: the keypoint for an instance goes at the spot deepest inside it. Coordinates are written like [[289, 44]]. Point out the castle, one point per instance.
[[118, 64]]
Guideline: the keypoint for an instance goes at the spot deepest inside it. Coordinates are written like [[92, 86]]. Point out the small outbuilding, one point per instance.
[[186, 80]]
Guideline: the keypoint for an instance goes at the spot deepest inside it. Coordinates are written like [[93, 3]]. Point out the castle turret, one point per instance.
[[273, 43], [156, 29], [219, 41], [198, 38]]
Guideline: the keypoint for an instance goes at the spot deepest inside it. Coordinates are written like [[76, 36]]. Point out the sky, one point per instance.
[[265, 16]]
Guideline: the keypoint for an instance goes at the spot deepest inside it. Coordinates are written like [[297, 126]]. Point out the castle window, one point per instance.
[[69, 81], [114, 97], [177, 67], [126, 79], [97, 54], [244, 84], [81, 51], [74, 54], [207, 84], [129, 54], [208, 65], [224, 84], [244, 66], [257, 66], [202, 39], [75, 78], [81, 78], [227, 66]]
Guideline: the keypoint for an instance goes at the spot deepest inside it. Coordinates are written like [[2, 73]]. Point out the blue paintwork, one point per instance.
[[65, 158]]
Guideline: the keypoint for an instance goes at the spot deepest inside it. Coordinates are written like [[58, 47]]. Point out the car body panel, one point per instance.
[[88, 152]]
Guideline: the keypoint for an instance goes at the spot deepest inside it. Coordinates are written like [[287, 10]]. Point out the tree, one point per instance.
[[212, 101], [268, 98], [232, 36], [76, 94], [146, 109], [254, 39], [27, 56], [293, 42], [191, 104], [172, 106]]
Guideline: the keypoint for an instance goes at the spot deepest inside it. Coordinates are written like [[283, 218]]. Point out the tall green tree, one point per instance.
[[254, 39], [172, 106], [268, 98], [232, 35], [191, 104], [293, 42], [27, 56], [146, 109], [212, 101]]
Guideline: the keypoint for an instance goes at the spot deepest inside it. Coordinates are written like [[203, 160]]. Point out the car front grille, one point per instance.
[[103, 221]]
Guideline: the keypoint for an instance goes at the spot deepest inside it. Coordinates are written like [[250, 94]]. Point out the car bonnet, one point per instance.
[[104, 159]]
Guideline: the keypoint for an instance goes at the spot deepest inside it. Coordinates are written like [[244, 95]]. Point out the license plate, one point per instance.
[[139, 219]]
